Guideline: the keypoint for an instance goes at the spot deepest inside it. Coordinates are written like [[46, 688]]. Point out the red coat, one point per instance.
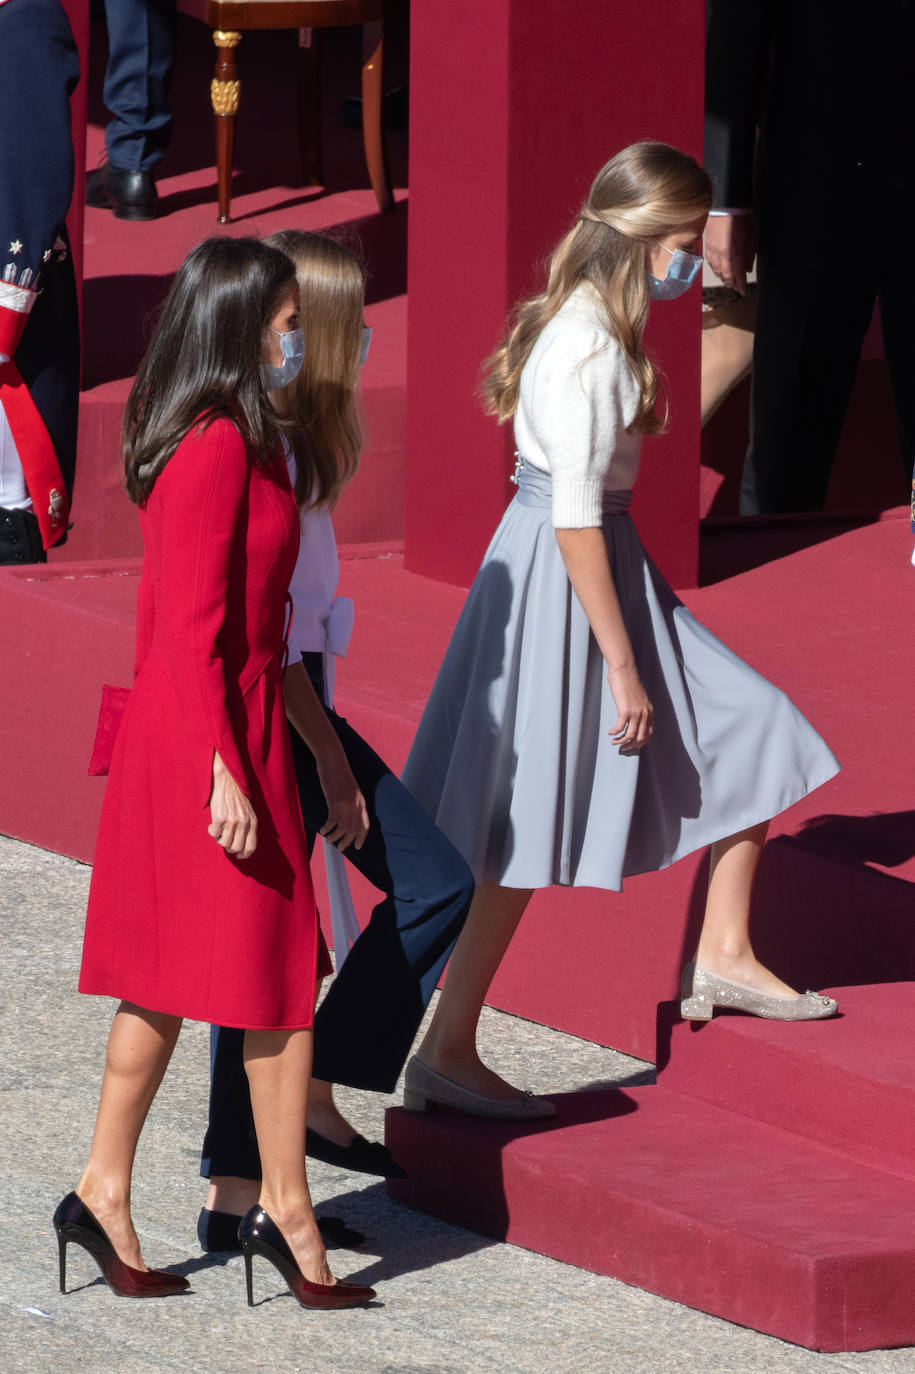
[[174, 923]]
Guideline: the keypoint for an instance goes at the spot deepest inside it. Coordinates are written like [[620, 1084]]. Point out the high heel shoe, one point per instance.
[[424, 1088], [76, 1225], [701, 992], [259, 1235]]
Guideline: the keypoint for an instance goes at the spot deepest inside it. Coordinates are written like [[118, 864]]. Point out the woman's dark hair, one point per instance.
[[203, 361]]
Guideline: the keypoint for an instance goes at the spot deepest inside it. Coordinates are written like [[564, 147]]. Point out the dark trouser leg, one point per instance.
[[230, 1144], [367, 1022], [141, 48], [809, 330], [369, 1018]]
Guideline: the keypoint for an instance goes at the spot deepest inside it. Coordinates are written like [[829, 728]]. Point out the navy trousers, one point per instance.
[[367, 1022], [141, 55]]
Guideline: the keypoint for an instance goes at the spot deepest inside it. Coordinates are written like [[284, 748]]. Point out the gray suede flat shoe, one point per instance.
[[425, 1089]]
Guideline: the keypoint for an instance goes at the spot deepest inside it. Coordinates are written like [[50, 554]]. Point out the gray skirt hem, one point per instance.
[[696, 843], [512, 759]]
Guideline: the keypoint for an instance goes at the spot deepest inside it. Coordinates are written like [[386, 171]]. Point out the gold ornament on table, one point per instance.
[[224, 97]]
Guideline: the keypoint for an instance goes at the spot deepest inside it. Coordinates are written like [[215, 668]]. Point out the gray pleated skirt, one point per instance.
[[513, 759]]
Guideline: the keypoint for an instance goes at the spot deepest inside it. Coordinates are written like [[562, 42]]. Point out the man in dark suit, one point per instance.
[[141, 55], [827, 190], [39, 324]]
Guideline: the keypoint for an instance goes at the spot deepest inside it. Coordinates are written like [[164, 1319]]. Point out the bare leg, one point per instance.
[[724, 942], [450, 1045], [278, 1064], [229, 1193], [140, 1045]]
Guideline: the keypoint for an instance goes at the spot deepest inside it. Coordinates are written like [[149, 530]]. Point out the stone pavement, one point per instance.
[[453, 1302]]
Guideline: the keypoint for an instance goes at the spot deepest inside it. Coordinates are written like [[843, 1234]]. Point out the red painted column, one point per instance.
[[514, 107]]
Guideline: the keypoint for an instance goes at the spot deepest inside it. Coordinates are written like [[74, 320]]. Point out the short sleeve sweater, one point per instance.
[[576, 397], [317, 572]]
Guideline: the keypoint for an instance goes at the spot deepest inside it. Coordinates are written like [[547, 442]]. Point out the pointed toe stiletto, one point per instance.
[[425, 1089], [701, 992], [76, 1225], [259, 1235]]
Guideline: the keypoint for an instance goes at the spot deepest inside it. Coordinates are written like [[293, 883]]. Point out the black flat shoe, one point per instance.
[[219, 1231], [361, 1155], [131, 195]]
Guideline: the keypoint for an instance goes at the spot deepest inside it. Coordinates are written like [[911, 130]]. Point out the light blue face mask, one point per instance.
[[293, 346], [366, 340], [682, 271]]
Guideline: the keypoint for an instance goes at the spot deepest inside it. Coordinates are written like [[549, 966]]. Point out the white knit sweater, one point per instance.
[[576, 397]]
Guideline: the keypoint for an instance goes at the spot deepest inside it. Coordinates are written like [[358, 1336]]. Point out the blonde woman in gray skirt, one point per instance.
[[584, 727]]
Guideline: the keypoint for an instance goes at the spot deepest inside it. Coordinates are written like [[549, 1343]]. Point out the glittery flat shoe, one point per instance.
[[260, 1235], [701, 992], [425, 1089]]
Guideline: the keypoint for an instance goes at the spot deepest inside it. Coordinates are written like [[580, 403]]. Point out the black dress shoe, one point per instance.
[[361, 1155], [131, 195], [219, 1231]]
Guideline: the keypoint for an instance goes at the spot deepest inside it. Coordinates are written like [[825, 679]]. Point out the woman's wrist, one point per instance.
[[329, 753], [621, 667]]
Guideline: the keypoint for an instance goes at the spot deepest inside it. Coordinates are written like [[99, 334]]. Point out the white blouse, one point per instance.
[[317, 612], [577, 395]]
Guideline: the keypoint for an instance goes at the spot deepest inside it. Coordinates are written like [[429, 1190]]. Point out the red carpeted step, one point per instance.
[[728, 1215], [848, 1083]]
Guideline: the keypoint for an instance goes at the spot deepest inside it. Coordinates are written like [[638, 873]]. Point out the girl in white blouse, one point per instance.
[[583, 726]]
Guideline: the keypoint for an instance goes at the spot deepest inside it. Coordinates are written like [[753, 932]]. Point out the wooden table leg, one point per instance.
[[376, 156], [225, 92]]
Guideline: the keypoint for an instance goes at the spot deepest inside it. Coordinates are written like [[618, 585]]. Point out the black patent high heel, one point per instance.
[[259, 1235], [75, 1224]]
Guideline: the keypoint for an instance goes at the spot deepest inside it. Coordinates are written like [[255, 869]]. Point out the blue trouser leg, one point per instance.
[[366, 1023], [141, 55]]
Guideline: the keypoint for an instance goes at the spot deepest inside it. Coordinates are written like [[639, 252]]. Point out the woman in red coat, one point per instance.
[[201, 902]]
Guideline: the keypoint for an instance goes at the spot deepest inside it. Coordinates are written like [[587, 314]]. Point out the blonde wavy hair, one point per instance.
[[319, 408], [642, 194]]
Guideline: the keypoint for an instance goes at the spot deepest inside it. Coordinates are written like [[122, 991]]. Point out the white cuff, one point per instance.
[[577, 502], [17, 298]]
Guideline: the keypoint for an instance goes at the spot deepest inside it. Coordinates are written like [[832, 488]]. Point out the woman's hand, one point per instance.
[[347, 814], [584, 553], [233, 823], [635, 714]]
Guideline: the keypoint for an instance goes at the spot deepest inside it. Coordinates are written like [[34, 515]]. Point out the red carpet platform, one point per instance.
[[792, 1211]]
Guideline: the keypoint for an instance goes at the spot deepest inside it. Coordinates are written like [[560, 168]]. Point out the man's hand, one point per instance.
[[730, 248]]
